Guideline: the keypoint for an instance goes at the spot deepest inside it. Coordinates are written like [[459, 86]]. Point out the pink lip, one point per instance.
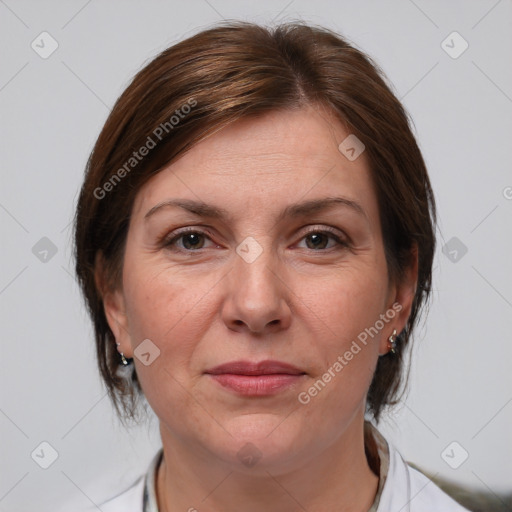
[[256, 379]]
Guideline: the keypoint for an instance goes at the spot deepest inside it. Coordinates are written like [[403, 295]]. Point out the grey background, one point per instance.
[[53, 109]]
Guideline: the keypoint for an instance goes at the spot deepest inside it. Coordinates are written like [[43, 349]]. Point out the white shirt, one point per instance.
[[401, 488]]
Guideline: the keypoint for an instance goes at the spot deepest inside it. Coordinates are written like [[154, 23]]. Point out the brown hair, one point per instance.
[[232, 71]]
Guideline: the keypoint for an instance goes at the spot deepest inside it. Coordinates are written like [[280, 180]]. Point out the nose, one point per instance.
[[257, 298]]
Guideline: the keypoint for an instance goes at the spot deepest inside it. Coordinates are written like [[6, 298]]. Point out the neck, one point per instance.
[[338, 478]]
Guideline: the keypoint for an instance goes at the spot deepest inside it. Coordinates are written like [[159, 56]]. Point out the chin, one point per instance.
[[261, 442]]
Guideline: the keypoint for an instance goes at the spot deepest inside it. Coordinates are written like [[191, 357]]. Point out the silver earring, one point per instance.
[[124, 361], [392, 342]]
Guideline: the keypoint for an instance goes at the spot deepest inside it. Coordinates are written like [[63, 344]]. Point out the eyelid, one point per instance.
[[325, 229]]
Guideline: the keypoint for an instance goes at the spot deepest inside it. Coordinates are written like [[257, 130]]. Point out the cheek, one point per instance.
[[172, 310], [160, 297], [344, 312], [174, 315], [350, 301]]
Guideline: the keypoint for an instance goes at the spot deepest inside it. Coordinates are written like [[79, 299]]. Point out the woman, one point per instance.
[[254, 239]]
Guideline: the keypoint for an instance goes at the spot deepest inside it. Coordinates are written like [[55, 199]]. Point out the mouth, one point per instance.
[[256, 379]]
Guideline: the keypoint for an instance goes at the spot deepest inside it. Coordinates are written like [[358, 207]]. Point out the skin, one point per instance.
[[302, 301]]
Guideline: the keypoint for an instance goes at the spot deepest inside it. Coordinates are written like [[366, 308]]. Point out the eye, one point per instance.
[[317, 239], [191, 240]]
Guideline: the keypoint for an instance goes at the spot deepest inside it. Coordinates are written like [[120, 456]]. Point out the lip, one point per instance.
[[267, 367], [256, 379]]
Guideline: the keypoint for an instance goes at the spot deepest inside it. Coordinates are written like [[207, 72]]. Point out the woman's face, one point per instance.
[[254, 267]]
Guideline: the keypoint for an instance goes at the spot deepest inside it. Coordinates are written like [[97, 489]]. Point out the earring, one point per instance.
[[392, 342], [124, 361]]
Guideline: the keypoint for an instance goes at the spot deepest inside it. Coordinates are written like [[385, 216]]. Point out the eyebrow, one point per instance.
[[196, 207], [303, 209]]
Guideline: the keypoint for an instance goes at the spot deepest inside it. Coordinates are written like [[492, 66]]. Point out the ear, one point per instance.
[[114, 307], [400, 300], [115, 311]]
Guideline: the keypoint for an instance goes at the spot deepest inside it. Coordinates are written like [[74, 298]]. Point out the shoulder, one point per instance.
[[408, 490], [130, 500], [425, 494], [138, 497]]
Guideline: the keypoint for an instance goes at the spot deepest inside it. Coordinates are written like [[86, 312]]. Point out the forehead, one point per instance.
[[277, 158]]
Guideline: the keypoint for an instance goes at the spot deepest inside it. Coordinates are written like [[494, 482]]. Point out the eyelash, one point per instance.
[[169, 242]]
